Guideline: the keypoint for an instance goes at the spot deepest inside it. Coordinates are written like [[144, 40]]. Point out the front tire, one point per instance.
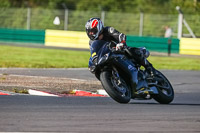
[[115, 86], [165, 90]]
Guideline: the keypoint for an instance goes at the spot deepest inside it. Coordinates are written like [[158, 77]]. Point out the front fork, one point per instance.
[[116, 75], [119, 82]]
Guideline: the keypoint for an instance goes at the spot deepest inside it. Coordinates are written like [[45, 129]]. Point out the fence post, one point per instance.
[[180, 22], [66, 19], [103, 16], [141, 23], [28, 18], [180, 25]]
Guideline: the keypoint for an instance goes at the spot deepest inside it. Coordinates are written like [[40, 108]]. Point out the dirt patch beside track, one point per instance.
[[15, 83]]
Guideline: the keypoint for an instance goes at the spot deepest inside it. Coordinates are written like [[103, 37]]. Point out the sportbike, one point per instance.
[[113, 70]]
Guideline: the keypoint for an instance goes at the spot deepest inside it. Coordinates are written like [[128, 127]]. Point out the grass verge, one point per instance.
[[23, 57], [12, 56]]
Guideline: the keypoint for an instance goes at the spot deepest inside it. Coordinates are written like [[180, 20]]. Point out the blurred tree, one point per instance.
[[62, 4], [4, 3], [154, 6], [55, 4], [187, 6], [148, 6]]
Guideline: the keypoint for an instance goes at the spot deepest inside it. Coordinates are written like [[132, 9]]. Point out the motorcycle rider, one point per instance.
[[96, 31]]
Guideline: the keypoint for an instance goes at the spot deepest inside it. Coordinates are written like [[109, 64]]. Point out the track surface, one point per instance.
[[87, 114]]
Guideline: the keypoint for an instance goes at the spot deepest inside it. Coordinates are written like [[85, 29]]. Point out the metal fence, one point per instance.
[[142, 24]]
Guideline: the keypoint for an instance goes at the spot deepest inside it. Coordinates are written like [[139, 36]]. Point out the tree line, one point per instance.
[[128, 6]]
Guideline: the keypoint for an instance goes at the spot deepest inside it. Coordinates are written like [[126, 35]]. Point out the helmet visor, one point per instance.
[[93, 31]]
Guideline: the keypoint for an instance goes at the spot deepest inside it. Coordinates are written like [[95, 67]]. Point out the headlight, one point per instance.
[[103, 59]]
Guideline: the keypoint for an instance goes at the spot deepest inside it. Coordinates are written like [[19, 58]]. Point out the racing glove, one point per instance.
[[119, 46]]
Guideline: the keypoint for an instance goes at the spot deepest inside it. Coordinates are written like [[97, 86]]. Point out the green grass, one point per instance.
[[12, 56], [175, 63]]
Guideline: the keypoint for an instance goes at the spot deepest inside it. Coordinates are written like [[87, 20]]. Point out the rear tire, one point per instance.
[[120, 93]]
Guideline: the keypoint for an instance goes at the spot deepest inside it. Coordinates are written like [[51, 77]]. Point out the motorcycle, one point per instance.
[[124, 79]]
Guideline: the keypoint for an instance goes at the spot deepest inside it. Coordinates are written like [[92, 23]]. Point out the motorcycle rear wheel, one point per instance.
[[120, 92]]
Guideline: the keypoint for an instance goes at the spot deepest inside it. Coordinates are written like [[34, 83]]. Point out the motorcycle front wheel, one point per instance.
[[165, 90], [115, 86]]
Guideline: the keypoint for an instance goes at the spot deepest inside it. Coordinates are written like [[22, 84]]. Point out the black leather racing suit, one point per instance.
[[112, 35]]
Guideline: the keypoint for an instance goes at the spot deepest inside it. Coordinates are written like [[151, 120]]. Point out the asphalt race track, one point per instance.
[[101, 114]]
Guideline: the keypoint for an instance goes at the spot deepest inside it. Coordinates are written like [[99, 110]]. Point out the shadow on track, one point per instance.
[[180, 104]]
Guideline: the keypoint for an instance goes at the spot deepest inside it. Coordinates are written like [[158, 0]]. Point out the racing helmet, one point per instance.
[[94, 27]]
